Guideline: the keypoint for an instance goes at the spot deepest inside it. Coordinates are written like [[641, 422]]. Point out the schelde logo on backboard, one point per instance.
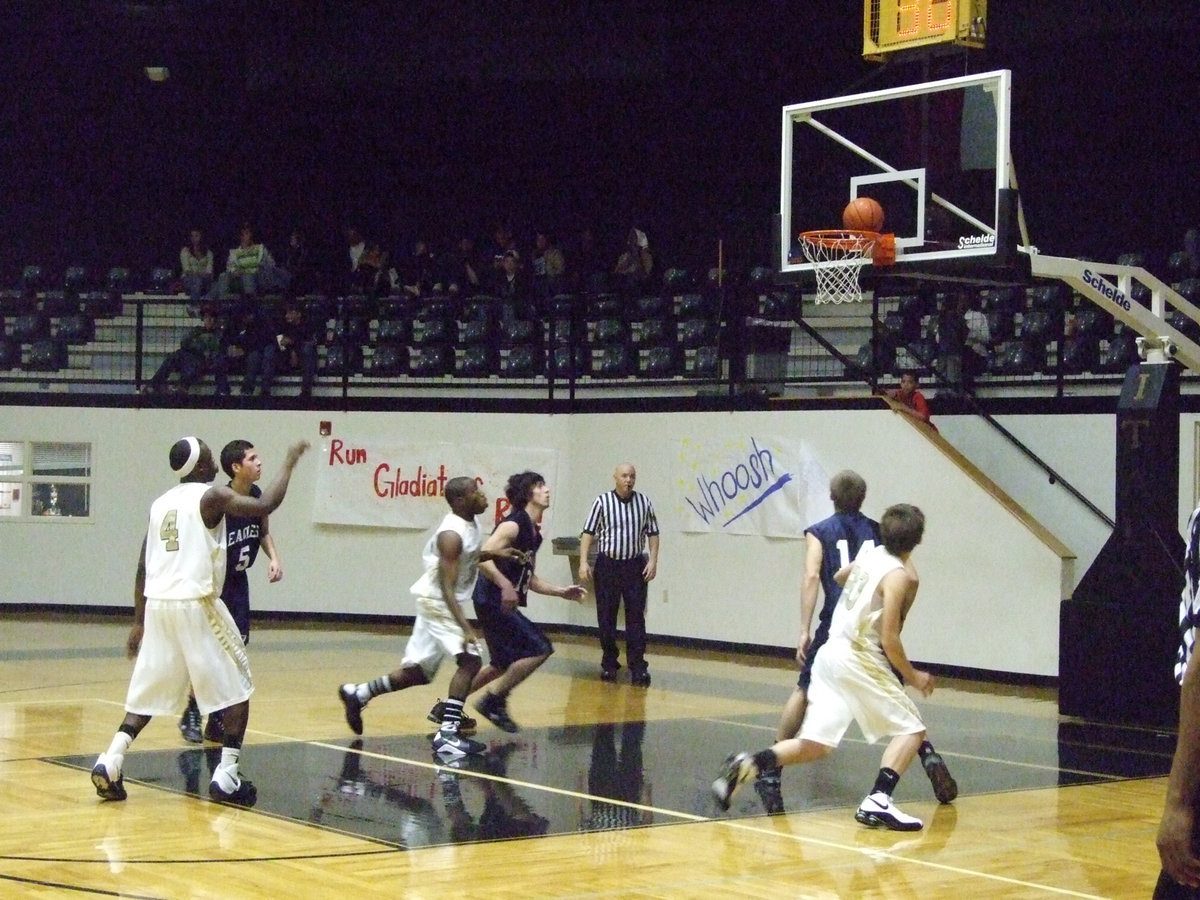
[[969, 241], [1105, 288]]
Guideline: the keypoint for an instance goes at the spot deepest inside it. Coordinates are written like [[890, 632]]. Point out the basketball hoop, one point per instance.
[[838, 256]]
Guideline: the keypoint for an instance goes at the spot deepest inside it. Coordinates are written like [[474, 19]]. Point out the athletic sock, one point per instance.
[[116, 750], [452, 713], [886, 781], [226, 774], [765, 760], [373, 688], [926, 749]]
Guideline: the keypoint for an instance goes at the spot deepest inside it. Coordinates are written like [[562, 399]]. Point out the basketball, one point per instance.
[[863, 214]]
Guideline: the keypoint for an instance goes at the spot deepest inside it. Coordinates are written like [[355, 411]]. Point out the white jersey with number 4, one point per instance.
[[185, 559]]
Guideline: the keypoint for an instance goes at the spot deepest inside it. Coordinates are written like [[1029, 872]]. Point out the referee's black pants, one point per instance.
[[617, 579]]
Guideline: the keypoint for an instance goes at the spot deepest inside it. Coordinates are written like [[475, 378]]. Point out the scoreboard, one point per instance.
[[893, 25]]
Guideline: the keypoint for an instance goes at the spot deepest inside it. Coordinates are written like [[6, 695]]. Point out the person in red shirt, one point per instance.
[[912, 402]]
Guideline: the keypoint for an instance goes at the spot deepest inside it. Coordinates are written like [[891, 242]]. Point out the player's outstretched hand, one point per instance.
[[295, 452], [575, 592]]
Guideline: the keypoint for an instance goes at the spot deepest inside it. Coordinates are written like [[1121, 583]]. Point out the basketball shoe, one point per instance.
[[494, 708], [878, 809], [348, 694], [455, 745], [189, 723], [244, 794], [734, 771], [108, 787], [945, 788], [466, 725]]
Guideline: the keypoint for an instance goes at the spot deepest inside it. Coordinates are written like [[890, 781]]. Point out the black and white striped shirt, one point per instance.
[[1189, 606], [620, 527]]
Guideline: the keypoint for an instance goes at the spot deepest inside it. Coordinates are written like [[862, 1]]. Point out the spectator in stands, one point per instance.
[[512, 288], [375, 277], [196, 265], [461, 268], [293, 349], [357, 246], [247, 338], [503, 243], [419, 271], [1191, 253], [589, 270], [636, 263], [548, 265], [963, 337], [295, 270], [201, 352], [249, 268], [912, 401]]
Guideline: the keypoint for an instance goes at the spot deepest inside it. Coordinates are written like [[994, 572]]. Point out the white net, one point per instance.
[[837, 258]]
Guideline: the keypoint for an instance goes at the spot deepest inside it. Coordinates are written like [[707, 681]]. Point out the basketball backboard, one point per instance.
[[935, 155]]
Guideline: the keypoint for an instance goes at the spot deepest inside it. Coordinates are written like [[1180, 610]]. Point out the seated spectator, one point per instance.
[[511, 288], [294, 349], [589, 270], [549, 267], [357, 246], [374, 276], [249, 268], [636, 263], [962, 338], [201, 352], [295, 270], [419, 272], [912, 401], [246, 342], [460, 269], [196, 266]]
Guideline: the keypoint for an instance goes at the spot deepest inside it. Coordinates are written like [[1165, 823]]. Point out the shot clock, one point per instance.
[[893, 25]]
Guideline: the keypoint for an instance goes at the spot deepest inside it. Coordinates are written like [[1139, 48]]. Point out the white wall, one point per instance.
[[989, 595]]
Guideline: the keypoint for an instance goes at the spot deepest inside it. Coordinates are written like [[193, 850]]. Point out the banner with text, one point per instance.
[[751, 485], [365, 482]]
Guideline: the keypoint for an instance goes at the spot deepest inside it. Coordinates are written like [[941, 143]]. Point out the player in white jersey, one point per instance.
[[451, 563], [852, 677], [182, 633]]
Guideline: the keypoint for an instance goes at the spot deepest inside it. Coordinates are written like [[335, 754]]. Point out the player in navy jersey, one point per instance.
[[516, 646], [244, 537], [832, 544]]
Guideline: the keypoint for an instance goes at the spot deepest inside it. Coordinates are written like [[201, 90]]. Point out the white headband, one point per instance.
[[193, 457]]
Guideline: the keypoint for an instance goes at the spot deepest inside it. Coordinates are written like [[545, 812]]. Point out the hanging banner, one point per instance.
[[754, 484], [385, 485]]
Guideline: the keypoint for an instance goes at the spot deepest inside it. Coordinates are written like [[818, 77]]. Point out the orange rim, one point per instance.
[[882, 246], [840, 239]]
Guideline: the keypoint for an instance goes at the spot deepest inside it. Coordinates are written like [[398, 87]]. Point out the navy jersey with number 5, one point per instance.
[[243, 534]]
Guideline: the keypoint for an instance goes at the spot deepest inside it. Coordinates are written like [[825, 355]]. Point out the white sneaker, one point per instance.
[[734, 771], [107, 779], [878, 809], [453, 744]]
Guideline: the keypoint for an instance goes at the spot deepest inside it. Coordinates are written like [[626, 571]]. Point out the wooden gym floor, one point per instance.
[[603, 793]]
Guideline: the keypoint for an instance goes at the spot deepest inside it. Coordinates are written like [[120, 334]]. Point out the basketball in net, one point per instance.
[[863, 214], [838, 257]]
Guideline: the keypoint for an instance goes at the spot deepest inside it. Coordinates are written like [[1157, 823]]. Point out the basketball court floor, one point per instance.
[[605, 791]]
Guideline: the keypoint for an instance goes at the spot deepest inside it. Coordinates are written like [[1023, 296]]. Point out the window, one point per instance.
[[40, 479]]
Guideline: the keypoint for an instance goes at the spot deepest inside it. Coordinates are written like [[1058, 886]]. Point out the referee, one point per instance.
[[623, 525]]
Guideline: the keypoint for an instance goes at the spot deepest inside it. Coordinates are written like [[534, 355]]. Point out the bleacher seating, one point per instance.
[[97, 321]]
